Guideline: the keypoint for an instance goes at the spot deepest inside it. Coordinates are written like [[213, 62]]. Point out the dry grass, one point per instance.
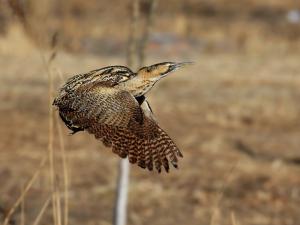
[[217, 26], [20, 199], [230, 98], [60, 216]]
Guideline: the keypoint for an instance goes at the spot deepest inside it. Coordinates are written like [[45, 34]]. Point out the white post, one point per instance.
[[120, 212]]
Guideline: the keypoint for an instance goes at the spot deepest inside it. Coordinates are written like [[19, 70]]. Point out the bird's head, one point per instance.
[[159, 70]]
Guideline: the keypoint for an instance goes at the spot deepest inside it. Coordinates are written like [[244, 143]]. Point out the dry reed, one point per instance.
[[54, 187], [26, 189], [65, 172], [42, 211]]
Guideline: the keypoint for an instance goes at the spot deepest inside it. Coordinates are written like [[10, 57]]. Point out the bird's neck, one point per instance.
[[138, 85]]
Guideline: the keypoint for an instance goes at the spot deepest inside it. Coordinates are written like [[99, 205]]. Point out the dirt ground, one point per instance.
[[235, 116]]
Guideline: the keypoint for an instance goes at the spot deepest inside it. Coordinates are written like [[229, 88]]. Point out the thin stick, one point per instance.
[[50, 144], [65, 172], [23, 209], [47, 64], [38, 218], [58, 205]]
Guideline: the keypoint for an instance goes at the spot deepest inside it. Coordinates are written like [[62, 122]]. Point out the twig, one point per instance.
[[58, 204], [23, 209], [38, 218], [65, 172], [50, 148]]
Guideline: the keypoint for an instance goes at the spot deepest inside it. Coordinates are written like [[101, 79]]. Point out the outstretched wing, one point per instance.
[[115, 117]]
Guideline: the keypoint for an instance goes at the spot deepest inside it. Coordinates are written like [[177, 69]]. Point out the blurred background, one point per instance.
[[235, 114]]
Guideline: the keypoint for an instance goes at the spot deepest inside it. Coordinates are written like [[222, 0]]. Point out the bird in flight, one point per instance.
[[110, 103]]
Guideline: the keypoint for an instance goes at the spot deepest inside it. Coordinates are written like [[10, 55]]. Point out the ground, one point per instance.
[[235, 116]]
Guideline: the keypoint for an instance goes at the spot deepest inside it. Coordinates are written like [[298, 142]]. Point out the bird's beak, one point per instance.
[[175, 66]]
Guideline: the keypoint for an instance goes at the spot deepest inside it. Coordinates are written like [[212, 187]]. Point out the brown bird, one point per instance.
[[110, 103]]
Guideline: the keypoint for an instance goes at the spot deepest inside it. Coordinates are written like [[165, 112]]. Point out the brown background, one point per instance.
[[234, 114]]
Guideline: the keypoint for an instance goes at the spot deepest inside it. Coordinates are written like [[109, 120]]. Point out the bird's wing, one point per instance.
[[116, 118], [97, 103], [109, 76]]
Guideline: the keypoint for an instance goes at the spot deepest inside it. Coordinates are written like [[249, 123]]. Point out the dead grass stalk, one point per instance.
[[26, 189]]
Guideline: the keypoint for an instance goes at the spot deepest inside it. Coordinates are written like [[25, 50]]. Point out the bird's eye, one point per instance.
[[123, 78]]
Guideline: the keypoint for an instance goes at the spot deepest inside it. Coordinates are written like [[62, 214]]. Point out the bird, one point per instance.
[[110, 103]]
